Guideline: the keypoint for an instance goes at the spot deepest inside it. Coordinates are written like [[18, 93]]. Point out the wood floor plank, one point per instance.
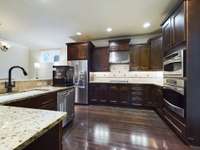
[[112, 128]]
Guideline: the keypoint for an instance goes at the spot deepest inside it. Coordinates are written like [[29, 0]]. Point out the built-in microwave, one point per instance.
[[174, 64], [174, 95]]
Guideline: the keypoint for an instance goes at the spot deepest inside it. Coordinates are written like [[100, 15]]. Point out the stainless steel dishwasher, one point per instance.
[[65, 103]]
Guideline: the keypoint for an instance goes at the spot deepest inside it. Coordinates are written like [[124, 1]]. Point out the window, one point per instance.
[[51, 56]]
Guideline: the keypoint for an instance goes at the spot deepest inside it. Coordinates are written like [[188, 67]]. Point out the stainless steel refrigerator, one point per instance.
[[80, 80]]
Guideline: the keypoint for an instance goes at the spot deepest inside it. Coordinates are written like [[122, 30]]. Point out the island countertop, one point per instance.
[[13, 97], [19, 127]]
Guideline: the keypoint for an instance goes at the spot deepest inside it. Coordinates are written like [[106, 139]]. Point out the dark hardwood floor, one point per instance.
[[110, 128]]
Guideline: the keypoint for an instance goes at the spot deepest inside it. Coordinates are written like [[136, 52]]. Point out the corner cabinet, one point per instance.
[[79, 51]]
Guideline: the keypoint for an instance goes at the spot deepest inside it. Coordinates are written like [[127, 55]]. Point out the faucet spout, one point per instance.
[[9, 85]]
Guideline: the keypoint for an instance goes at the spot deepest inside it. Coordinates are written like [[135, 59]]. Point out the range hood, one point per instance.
[[121, 57]]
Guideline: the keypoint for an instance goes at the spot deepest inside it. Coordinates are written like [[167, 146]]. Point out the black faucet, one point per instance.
[[9, 85]]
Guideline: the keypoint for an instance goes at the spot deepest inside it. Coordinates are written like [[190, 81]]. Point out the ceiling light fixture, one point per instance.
[[109, 29], [79, 33], [146, 24], [4, 46]]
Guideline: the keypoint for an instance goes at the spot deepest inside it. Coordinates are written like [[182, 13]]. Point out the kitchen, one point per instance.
[[72, 79]]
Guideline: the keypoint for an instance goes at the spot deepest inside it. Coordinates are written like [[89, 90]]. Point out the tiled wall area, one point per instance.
[[26, 85], [120, 73]]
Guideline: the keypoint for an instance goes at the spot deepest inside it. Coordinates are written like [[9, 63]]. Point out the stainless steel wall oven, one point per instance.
[[174, 64], [174, 95]]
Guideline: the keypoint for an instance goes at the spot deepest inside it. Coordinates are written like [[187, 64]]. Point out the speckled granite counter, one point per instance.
[[20, 126], [7, 98]]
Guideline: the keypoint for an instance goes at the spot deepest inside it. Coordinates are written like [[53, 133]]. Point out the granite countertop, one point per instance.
[[12, 97], [21, 126]]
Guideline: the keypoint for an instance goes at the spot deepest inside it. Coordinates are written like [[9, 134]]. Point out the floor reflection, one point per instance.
[[101, 134], [139, 140]]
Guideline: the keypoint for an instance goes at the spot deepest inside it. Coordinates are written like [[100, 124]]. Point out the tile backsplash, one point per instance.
[[122, 73], [26, 85]]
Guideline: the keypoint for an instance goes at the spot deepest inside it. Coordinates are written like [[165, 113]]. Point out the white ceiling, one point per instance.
[[51, 23]]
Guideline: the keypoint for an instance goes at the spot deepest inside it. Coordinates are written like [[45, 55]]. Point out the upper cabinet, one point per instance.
[[119, 45], [173, 29], [100, 59], [156, 54], [178, 25], [79, 51], [167, 38], [139, 57]]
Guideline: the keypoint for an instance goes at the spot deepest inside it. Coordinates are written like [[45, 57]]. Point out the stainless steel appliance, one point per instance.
[[119, 57], [65, 103], [80, 80], [63, 76], [174, 95], [174, 64]]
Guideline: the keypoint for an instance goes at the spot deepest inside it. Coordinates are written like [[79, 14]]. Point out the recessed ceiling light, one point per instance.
[[78, 33], [109, 29], [146, 24]]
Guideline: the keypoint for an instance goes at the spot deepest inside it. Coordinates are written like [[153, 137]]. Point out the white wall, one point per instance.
[[46, 69], [16, 55]]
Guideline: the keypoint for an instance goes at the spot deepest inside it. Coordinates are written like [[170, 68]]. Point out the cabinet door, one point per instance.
[[166, 31], [135, 58], [139, 57], [83, 51], [144, 57], [119, 45], [77, 51], [72, 52], [156, 54], [114, 94], [178, 20], [124, 95], [93, 97], [100, 59]]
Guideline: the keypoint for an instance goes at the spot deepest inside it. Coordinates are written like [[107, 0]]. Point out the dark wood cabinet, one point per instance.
[[113, 94], [156, 54], [79, 51], [118, 94], [98, 94], [166, 34], [178, 26], [185, 33], [129, 95], [46, 101], [174, 29], [119, 45], [100, 59], [139, 57], [52, 139]]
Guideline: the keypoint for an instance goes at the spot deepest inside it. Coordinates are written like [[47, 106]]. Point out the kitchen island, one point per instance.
[[30, 129]]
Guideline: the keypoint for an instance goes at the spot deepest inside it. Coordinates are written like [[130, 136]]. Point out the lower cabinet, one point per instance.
[[131, 95], [46, 101]]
